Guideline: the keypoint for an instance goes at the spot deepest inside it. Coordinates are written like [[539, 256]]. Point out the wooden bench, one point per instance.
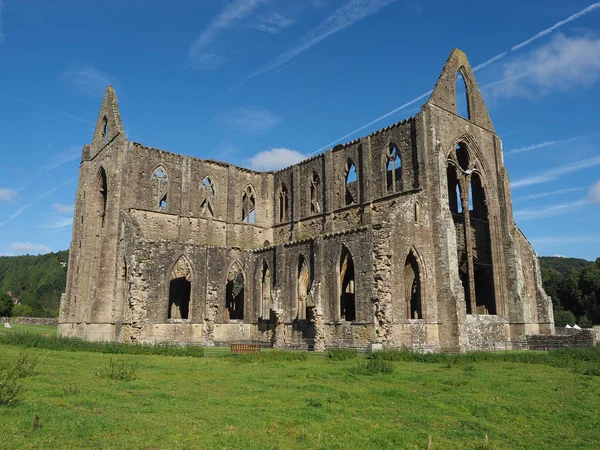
[[237, 349]]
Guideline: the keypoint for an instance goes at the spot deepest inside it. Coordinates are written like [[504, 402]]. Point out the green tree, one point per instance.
[[21, 310], [551, 279], [569, 292], [563, 318], [6, 305], [584, 321]]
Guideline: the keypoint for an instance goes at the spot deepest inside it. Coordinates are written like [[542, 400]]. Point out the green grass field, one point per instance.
[[236, 403], [37, 329]]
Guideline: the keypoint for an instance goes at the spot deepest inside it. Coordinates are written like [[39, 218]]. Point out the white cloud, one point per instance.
[[8, 195], [275, 159], [347, 15], [548, 194], [546, 144], [63, 209], [556, 172], [60, 158], [28, 247], [548, 211], [273, 23], [89, 80], [594, 193], [249, 119], [563, 64], [233, 12], [58, 223]]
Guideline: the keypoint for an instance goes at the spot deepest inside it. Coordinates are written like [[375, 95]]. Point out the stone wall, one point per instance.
[[30, 320], [583, 339]]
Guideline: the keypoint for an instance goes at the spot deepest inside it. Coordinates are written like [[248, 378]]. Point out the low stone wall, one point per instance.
[[563, 331], [30, 320], [582, 339]]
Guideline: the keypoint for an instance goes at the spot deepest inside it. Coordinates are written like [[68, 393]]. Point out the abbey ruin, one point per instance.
[[403, 238]]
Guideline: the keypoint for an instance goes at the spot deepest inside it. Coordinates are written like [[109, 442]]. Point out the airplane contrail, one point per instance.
[[480, 66]]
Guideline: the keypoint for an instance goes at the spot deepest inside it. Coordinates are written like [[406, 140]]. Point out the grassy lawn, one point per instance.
[[38, 329], [223, 402]]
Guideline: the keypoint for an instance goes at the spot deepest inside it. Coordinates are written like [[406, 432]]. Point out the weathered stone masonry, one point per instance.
[[404, 237]]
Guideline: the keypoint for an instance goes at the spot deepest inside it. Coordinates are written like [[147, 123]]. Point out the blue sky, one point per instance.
[[264, 83]]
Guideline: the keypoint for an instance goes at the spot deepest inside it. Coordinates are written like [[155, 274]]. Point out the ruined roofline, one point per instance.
[[349, 143], [304, 161], [210, 161], [444, 94]]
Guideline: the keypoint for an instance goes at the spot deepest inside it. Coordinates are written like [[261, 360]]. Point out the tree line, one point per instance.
[[574, 285], [38, 281]]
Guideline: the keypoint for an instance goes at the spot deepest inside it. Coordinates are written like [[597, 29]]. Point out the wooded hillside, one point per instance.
[[37, 281], [574, 285]]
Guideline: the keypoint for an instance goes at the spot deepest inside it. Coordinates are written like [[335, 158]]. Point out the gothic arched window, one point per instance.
[[283, 204], [248, 205], [351, 184], [393, 169], [160, 187], [207, 190], [315, 206]]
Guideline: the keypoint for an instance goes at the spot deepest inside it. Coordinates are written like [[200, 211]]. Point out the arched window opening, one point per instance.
[[234, 292], [283, 204], [470, 198], [160, 189], [265, 309], [417, 212], [303, 288], [482, 254], [459, 200], [412, 288], [477, 201], [207, 191], [351, 187], [393, 169], [162, 206], [179, 298], [454, 201], [248, 205], [473, 233], [463, 274], [267, 243], [104, 131], [180, 289], [462, 96], [101, 197], [347, 285], [462, 156], [315, 206]]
